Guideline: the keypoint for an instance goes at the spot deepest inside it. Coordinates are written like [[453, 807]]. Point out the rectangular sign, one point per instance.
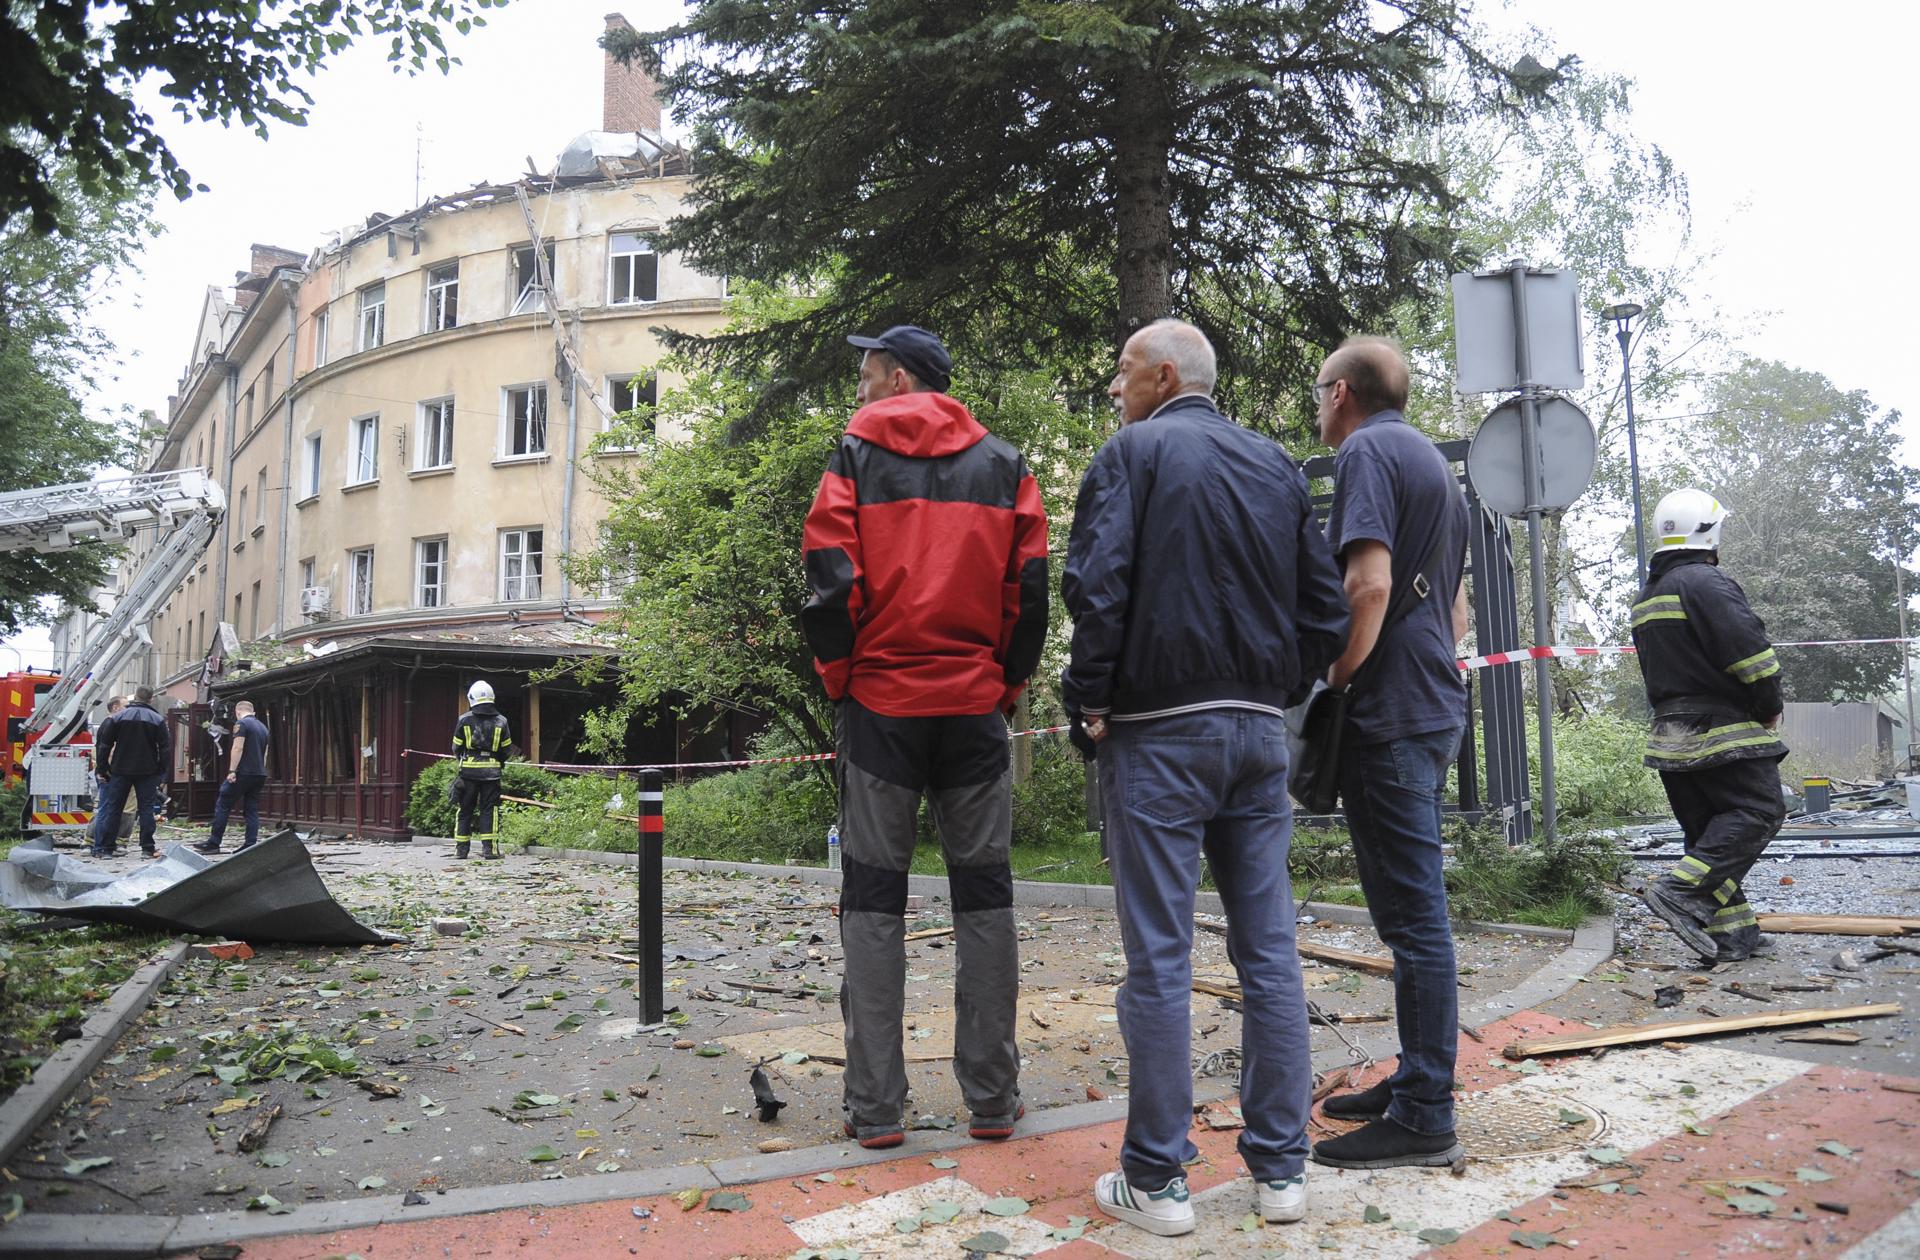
[[1483, 330]]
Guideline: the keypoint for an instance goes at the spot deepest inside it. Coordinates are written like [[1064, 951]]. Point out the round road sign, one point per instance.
[[1567, 452]]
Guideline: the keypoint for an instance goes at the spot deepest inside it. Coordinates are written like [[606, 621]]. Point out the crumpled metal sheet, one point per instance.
[[268, 893]]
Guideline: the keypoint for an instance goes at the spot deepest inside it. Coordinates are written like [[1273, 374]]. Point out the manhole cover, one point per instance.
[[1515, 1124]]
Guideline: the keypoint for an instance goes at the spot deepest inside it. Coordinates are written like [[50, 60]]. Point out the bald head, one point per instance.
[[1165, 359], [1365, 376]]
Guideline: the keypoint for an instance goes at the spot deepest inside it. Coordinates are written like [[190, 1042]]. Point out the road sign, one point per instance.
[[1483, 329], [1568, 449]]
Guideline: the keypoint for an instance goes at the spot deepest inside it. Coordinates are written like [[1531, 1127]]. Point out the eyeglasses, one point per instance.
[[1320, 389]]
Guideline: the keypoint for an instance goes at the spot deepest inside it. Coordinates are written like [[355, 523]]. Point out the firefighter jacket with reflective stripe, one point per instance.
[[926, 559], [1710, 672], [480, 742]]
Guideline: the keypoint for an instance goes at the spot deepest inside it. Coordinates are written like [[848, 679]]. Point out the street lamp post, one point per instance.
[[1622, 313]]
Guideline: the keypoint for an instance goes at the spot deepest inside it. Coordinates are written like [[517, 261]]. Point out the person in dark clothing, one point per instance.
[[926, 562], [102, 844], [1204, 601], [1714, 685], [133, 748], [481, 742], [246, 775], [1398, 521]]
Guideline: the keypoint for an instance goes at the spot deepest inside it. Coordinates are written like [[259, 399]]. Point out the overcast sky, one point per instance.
[[1788, 121]]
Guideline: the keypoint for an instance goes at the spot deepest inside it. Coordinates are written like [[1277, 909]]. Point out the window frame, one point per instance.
[[520, 288], [322, 326], [508, 420], [424, 445], [443, 299], [363, 455], [616, 256], [420, 565], [376, 308], [354, 557], [508, 591], [311, 446], [616, 381]]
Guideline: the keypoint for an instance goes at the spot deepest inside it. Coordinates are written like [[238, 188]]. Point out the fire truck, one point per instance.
[[19, 692], [51, 742]]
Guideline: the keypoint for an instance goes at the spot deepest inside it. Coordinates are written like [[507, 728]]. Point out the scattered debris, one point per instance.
[[226, 951], [254, 1136], [452, 927], [1839, 924], [764, 1098], [1826, 1036]]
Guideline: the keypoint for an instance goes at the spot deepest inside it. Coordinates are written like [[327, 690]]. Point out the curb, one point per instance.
[[67, 1067], [76, 1237]]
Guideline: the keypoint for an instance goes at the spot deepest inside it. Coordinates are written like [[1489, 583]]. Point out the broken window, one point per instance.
[[443, 296], [360, 588], [527, 290], [436, 434], [430, 573], [636, 269], [526, 421], [520, 563], [373, 316], [627, 391], [321, 325], [366, 450]]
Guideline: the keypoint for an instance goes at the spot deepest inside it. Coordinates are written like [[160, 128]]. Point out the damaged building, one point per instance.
[[405, 421]]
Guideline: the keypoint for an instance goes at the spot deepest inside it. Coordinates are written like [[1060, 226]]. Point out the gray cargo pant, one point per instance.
[[960, 764]]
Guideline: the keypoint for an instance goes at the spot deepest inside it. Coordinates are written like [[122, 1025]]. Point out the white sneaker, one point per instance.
[[1166, 1211], [1282, 1201]]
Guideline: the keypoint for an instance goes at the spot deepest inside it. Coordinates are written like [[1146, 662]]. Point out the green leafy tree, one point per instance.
[[703, 537], [51, 357], [1032, 176], [1823, 507], [70, 67]]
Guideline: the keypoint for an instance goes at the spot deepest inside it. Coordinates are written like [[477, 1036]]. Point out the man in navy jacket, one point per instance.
[[1204, 602]]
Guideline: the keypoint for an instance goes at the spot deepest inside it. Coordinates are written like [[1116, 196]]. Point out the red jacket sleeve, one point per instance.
[[835, 580], [1024, 600]]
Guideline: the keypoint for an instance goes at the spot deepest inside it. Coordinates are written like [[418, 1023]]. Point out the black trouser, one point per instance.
[[1729, 813], [475, 802], [960, 764]]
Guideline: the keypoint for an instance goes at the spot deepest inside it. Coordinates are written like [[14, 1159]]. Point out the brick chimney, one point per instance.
[[630, 99]]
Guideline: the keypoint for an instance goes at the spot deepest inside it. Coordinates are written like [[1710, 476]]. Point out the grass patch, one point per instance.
[[51, 981], [1556, 883]]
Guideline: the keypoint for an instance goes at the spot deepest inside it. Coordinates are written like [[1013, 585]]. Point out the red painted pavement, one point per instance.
[[1673, 1215]]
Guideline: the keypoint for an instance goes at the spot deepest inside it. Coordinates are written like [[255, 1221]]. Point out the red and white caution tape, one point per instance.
[[1614, 649], [568, 767]]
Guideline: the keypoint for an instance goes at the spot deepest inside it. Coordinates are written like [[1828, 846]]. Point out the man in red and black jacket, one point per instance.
[[926, 555]]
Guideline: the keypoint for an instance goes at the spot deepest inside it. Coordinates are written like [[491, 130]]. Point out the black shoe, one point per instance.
[[206, 848], [1368, 1104], [1387, 1144], [1673, 913]]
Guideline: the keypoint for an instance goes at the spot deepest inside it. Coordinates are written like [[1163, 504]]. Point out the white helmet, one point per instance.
[[480, 693], [1688, 520]]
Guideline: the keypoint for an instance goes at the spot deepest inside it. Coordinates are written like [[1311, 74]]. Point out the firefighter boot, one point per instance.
[[490, 853], [461, 849]]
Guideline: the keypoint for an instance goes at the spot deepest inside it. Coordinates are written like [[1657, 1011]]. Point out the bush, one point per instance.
[[1598, 771], [1557, 882], [13, 805], [1051, 806], [430, 813]]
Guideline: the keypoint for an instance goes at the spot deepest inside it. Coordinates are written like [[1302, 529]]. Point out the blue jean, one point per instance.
[[1216, 781], [113, 802], [244, 790], [1392, 795]]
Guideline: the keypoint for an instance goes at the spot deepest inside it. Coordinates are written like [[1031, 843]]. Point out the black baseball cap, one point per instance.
[[918, 351]]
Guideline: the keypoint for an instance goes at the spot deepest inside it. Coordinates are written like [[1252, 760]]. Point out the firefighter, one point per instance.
[[1714, 686], [480, 744]]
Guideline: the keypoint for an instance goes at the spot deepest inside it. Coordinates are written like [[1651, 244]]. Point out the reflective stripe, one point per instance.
[[1754, 668], [1690, 870], [1732, 919], [1659, 608], [1691, 745], [1726, 892]]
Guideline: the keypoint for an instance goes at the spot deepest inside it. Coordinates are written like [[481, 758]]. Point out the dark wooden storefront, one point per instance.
[[350, 731]]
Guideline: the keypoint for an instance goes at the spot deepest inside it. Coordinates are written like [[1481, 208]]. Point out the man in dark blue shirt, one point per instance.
[[246, 775], [1398, 518]]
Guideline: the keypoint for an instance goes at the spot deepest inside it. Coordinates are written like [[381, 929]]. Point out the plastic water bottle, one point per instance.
[[833, 847]]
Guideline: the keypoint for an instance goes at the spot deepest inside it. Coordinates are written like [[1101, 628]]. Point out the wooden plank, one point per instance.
[[1838, 924], [921, 936], [1638, 1033], [1323, 953]]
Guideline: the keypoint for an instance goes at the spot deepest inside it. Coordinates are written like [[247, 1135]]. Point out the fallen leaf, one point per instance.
[[1250, 1223], [1532, 1240], [689, 1199], [1571, 1117], [77, 1166], [1812, 1174], [1606, 1156], [1075, 1227], [1752, 1204], [370, 1183], [1006, 1207], [987, 1241], [1438, 1237], [729, 1201], [1835, 1148], [274, 1159], [1763, 1187], [232, 1105], [944, 1162], [906, 1225], [1374, 1216], [542, 1154], [268, 1204], [939, 1213]]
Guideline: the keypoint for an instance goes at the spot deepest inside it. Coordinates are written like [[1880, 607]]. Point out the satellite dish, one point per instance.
[[1568, 450]]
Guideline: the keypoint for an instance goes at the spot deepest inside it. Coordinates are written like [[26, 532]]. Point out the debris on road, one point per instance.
[[1693, 1028]]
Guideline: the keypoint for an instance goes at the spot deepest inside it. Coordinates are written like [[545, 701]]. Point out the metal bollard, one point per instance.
[[652, 937]]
